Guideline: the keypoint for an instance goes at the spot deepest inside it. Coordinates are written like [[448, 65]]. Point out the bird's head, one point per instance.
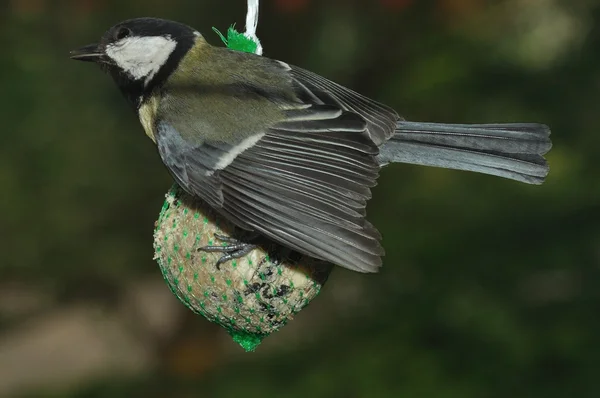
[[140, 53]]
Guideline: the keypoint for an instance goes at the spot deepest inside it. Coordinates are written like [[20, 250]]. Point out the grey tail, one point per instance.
[[506, 150]]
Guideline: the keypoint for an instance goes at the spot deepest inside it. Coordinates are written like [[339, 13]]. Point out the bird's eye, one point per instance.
[[122, 33]]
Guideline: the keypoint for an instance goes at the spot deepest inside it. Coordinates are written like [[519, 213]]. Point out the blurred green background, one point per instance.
[[490, 287]]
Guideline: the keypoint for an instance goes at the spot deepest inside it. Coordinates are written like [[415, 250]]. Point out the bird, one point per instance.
[[283, 152]]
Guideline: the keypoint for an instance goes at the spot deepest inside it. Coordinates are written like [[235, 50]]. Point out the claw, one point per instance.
[[226, 239], [234, 249]]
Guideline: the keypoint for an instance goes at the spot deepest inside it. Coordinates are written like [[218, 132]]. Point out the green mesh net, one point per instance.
[[251, 297]]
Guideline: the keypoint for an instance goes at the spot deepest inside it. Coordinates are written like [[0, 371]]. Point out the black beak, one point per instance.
[[89, 53]]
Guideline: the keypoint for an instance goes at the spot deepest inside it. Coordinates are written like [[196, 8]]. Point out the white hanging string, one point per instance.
[[252, 23]]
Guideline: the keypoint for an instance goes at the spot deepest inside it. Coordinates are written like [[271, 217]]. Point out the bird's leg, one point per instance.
[[233, 250]]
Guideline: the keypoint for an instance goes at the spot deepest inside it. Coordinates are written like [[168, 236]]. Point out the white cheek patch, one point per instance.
[[141, 57]]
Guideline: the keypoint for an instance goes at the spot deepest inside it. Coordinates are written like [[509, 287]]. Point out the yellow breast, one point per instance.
[[147, 114]]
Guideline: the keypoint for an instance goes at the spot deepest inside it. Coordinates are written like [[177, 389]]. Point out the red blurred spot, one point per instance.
[[88, 6], [28, 7], [396, 5], [291, 6], [459, 8]]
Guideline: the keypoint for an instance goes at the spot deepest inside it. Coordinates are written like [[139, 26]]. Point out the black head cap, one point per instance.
[[148, 27]]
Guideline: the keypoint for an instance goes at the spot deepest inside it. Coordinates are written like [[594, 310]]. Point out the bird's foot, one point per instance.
[[232, 250]]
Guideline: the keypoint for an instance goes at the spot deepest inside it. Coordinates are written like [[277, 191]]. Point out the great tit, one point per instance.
[[282, 151]]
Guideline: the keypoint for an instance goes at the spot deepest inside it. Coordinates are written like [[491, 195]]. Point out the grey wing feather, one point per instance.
[[192, 167], [305, 184], [312, 88], [308, 191]]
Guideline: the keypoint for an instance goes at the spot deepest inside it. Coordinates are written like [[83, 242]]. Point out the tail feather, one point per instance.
[[511, 151]]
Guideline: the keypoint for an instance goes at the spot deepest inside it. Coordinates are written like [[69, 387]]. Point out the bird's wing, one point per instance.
[[312, 88], [304, 181], [305, 184], [192, 166]]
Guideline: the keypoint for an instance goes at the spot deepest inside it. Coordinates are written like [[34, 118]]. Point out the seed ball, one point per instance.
[[252, 296]]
